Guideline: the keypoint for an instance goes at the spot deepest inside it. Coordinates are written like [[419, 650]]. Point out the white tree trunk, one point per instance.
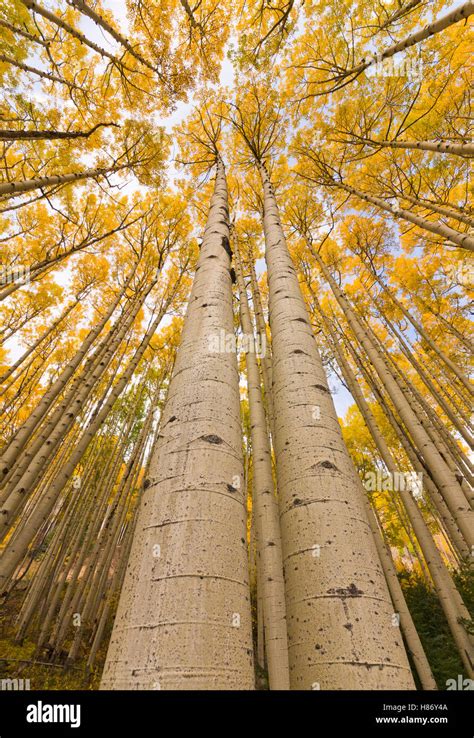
[[339, 609], [183, 620]]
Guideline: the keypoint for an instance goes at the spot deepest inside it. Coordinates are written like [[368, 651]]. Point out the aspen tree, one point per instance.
[[333, 575], [183, 620], [450, 599], [265, 505]]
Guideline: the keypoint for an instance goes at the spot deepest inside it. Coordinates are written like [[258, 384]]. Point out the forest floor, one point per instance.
[[20, 660]]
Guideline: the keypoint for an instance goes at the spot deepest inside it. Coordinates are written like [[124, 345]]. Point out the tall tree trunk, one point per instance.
[[115, 586], [422, 411], [183, 620], [69, 308], [469, 345], [413, 456], [410, 633], [24, 433], [17, 548], [269, 556], [35, 458], [266, 359], [429, 384], [338, 637], [444, 442], [450, 599]]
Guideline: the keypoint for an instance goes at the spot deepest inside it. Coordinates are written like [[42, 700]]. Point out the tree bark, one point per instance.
[[12, 189], [332, 573], [269, 556], [464, 150], [11, 135], [183, 620]]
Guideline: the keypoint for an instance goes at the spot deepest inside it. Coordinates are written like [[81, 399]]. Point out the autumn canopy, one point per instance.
[[235, 275]]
